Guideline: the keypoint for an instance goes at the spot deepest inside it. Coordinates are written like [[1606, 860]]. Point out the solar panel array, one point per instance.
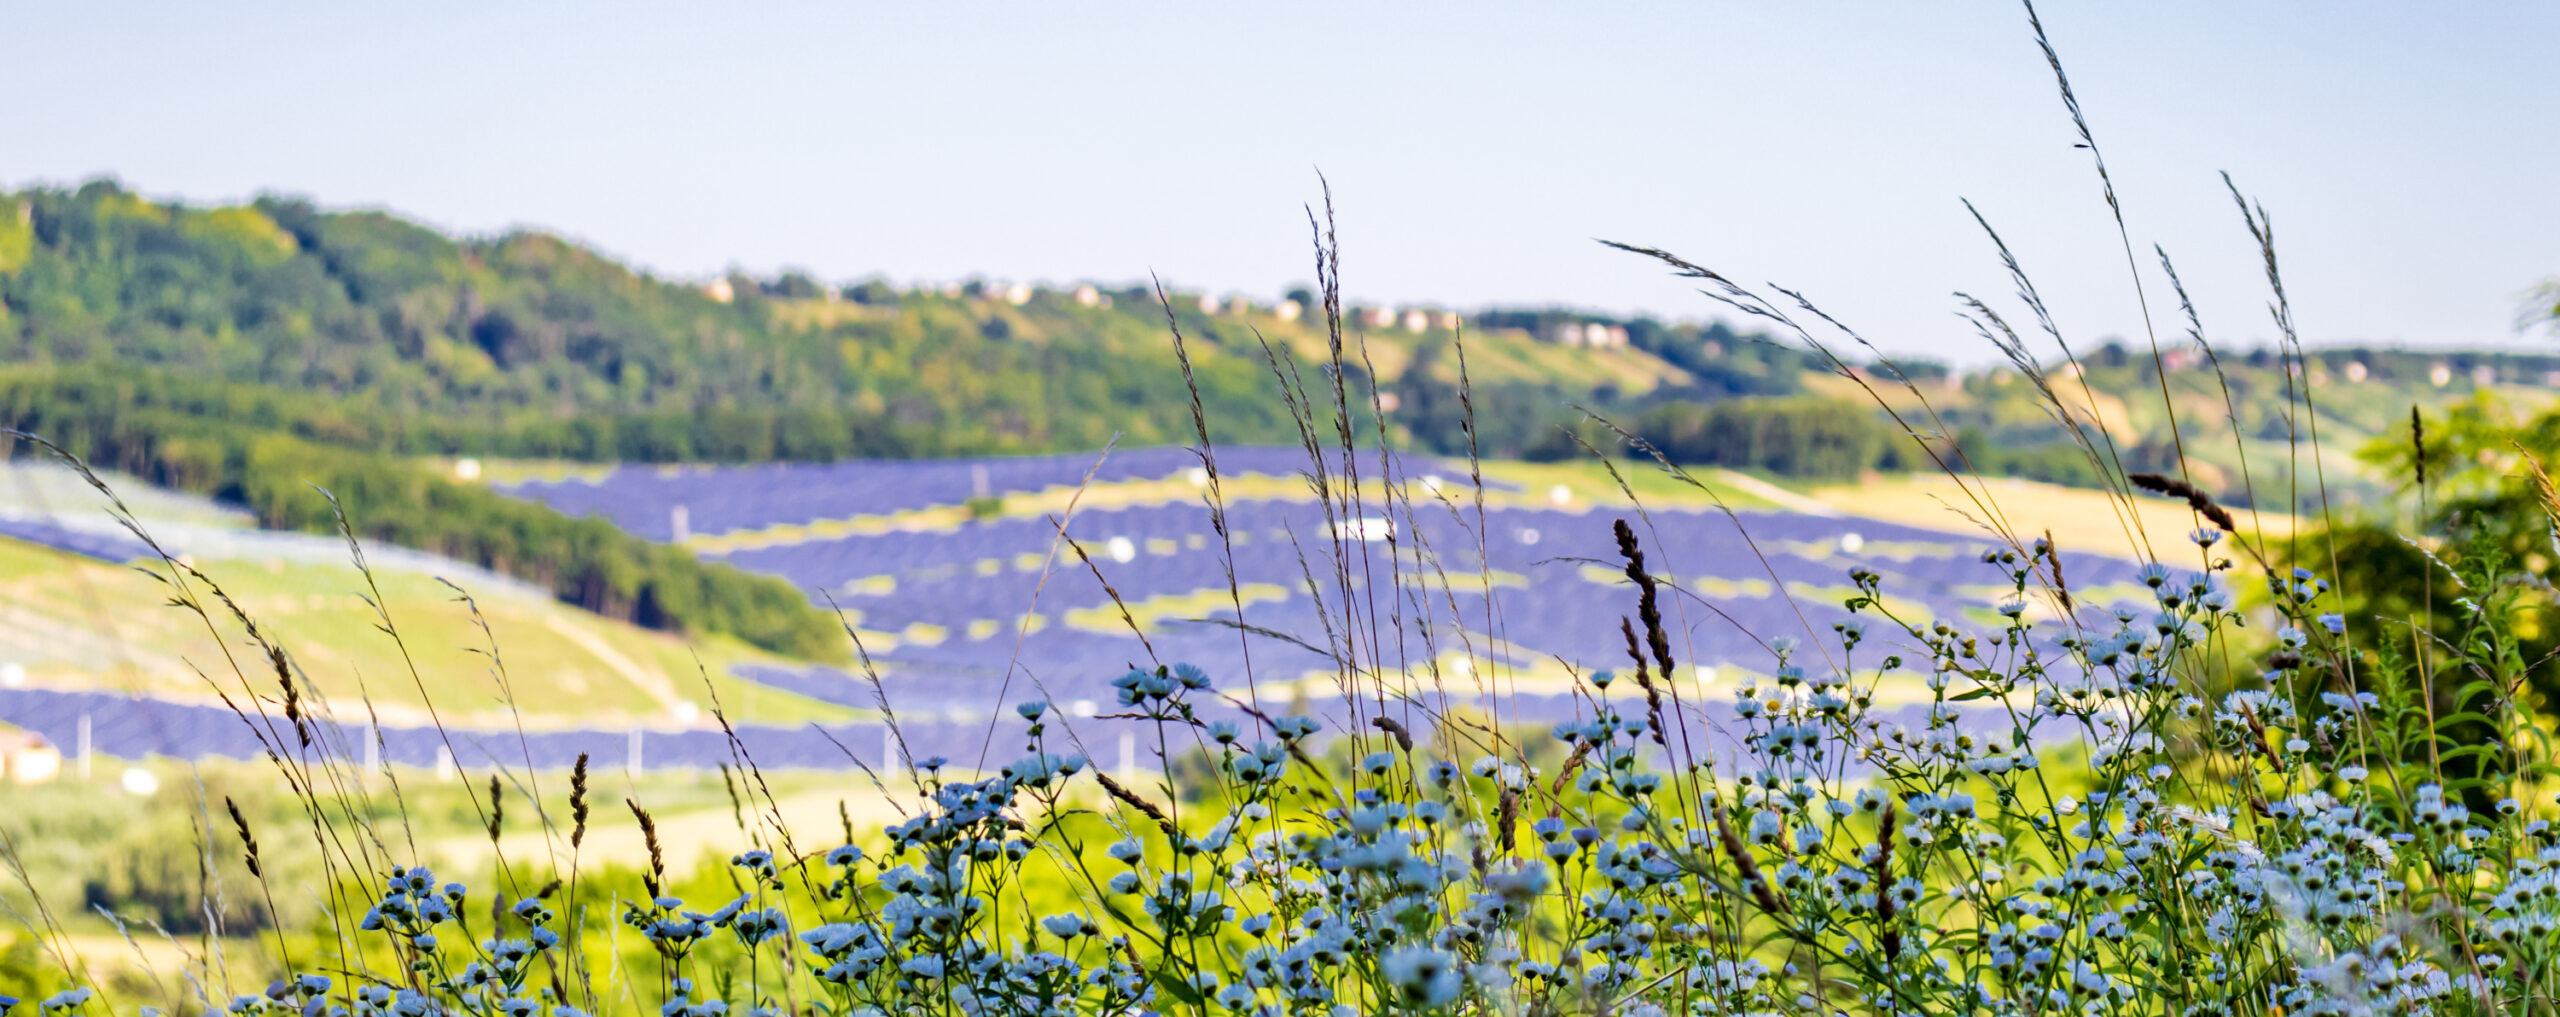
[[88, 543], [967, 620]]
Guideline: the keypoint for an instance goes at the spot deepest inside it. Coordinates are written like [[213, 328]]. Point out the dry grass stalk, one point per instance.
[[1404, 738], [578, 802], [248, 841], [1744, 867], [1124, 796], [657, 874], [1644, 680], [2196, 499]]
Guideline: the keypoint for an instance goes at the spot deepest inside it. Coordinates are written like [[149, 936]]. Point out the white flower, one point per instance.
[[1066, 926], [1423, 977]]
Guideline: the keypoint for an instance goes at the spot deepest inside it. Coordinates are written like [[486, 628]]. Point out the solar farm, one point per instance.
[[975, 584], [1494, 608]]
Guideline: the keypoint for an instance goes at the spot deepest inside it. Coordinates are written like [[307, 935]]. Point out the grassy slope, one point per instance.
[[75, 623]]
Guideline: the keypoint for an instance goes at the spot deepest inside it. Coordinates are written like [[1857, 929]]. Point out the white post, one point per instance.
[[84, 746], [680, 519], [444, 764], [372, 749], [631, 756], [1128, 756], [888, 748]]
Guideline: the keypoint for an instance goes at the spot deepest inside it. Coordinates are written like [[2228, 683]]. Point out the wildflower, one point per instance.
[[922, 967], [1069, 926], [1423, 977]]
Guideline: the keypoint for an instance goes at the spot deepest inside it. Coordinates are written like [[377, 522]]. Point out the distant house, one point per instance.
[[1417, 321], [1449, 320], [2356, 370], [1087, 296], [1287, 310], [1379, 317], [1017, 294], [720, 290], [1208, 304], [28, 758], [1591, 335]]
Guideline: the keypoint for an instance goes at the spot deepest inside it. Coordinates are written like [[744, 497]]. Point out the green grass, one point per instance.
[[79, 624]]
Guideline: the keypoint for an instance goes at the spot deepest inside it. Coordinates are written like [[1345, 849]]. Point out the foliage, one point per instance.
[[289, 482], [1811, 438], [361, 328]]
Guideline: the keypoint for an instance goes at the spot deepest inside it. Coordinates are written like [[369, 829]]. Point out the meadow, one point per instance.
[[1338, 727]]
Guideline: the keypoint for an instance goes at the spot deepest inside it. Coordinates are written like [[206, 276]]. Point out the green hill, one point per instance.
[[363, 329], [259, 352]]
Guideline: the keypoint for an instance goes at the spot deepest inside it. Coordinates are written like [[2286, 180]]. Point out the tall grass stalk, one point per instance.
[[2207, 802]]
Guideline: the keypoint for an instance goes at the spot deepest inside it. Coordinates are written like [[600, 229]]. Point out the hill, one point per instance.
[[260, 353], [70, 625], [394, 336]]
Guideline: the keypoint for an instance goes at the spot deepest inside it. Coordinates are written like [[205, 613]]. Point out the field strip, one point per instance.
[[657, 686], [1778, 495], [1582, 496]]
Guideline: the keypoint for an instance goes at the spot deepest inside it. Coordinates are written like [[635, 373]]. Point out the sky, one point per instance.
[[1475, 151]]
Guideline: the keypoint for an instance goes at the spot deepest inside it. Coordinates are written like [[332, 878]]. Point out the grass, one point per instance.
[[68, 621], [2176, 810], [2080, 519]]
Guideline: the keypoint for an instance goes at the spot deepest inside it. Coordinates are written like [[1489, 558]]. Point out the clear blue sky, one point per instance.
[[2408, 152]]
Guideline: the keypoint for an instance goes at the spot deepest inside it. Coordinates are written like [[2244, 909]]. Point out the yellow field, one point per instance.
[[2078, 519]]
